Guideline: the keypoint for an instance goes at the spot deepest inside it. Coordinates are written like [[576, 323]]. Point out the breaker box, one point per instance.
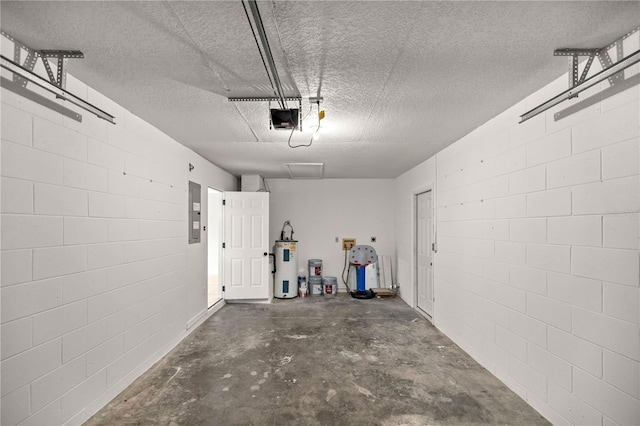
[[194, 212]]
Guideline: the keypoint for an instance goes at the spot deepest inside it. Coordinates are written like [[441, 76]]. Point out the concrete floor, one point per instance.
[[317, 361]]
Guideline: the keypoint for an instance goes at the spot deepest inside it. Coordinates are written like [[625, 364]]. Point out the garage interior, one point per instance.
[[487, 151]]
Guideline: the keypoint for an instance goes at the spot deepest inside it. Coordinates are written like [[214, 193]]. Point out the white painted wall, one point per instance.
[[321, 210], [537, 273], [98, 279]]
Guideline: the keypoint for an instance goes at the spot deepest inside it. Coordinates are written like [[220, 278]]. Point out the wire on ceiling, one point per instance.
[[315, 134], [293, 130]]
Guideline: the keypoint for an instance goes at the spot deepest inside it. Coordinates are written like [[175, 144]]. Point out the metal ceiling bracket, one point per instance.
[[606, 62], [574, 77], [60, 79], [22, 74], [270, 99], [589, 82], [263, 99], [583, 77], [579, 83], [26, 74], [29, 64]]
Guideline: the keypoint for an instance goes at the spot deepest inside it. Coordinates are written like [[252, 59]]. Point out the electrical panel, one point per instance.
[[194, 212]]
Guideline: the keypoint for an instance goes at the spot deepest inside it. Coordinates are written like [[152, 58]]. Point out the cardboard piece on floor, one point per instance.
[[383, 292]]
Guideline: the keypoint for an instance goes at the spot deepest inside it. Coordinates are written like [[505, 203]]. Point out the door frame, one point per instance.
[[218, 304], [414, 237]]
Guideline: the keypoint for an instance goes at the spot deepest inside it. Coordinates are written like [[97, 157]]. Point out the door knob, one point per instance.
[[265, 254]]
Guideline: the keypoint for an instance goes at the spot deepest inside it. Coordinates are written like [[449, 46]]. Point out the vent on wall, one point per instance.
[[305, 170]]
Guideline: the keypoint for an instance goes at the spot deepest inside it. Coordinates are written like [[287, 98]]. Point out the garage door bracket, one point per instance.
[[56, 83], [579, 82]]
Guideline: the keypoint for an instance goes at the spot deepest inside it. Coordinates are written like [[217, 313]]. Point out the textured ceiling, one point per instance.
[[400, 80]]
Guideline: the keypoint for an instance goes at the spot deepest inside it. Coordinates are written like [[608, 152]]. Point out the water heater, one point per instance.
[[286, 277]]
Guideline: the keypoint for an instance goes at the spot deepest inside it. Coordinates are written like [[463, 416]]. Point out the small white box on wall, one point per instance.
[[251, 183]]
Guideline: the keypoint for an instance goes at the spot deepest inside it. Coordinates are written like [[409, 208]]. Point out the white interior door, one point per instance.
[[424, 253], [246, 251]]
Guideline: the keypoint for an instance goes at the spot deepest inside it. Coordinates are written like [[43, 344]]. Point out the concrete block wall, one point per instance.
[[98, 279], [537, 274]]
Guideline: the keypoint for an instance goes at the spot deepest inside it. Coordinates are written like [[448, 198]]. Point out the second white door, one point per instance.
[[246, 251]]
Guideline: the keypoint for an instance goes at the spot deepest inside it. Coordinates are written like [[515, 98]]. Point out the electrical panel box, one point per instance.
[[195, 208]]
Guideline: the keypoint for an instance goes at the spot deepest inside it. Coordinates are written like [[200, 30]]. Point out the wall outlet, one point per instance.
[[348, 243]]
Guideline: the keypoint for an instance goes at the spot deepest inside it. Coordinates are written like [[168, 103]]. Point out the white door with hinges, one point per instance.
[[424, 253], [246, 246]]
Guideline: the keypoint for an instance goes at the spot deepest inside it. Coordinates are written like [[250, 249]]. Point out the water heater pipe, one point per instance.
[[286, 223]]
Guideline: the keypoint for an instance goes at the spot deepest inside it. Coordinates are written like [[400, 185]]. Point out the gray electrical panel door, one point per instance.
[[194, 212]]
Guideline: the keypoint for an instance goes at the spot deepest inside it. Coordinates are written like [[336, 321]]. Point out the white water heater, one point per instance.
[[286, 277]]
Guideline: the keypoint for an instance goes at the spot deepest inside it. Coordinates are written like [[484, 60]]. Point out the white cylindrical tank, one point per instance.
[[286, 278]]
